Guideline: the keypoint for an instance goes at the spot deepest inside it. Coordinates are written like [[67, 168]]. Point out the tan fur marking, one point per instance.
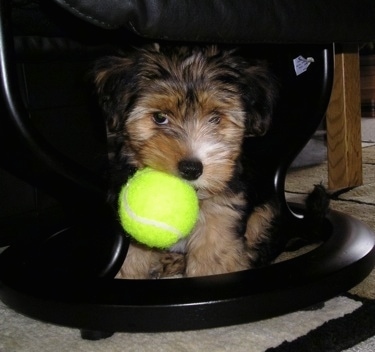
[[258, 223]]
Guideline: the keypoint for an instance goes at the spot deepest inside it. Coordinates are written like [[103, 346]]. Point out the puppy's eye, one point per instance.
[[160, 119], [215, 119]]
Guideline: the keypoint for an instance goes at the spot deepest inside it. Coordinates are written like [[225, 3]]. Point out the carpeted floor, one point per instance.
[[344, 323]]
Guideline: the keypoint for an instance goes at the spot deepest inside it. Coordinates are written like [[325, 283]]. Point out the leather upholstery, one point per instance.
[[234, 21]]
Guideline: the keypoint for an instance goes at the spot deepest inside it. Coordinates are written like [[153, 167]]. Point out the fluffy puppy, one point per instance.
[[186, 111]]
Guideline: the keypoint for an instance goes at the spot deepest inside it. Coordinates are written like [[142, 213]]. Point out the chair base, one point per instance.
[[101, 306]]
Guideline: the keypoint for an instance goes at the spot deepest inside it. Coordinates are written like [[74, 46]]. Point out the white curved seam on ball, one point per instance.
[[146, 221]]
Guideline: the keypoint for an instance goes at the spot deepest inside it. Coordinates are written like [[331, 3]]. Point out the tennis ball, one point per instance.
[[157, 209]]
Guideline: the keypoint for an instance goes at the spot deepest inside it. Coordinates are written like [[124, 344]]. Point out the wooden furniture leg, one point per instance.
[[344, 122]]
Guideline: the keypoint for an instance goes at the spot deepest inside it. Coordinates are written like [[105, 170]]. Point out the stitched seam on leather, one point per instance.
[[86, 16], [133, 28]]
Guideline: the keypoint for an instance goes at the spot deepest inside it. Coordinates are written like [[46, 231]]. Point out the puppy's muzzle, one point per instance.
[[190, 169]]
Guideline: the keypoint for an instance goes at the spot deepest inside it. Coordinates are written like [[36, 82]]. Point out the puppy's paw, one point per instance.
[[169, 264]]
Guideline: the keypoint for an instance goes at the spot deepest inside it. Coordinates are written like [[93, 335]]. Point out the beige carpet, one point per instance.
[[358, 201], [22, 334]]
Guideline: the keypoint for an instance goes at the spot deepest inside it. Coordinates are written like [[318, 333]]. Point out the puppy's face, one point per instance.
[[188, 126], [185, 111]]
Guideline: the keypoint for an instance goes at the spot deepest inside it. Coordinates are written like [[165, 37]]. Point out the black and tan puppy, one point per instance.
[[186, 111]]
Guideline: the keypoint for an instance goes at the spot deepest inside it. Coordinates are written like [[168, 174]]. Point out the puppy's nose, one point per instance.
[[190, 169]]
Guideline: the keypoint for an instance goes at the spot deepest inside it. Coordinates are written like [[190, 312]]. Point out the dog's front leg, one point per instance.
[[142, 262], [215, 247], [138, 262]]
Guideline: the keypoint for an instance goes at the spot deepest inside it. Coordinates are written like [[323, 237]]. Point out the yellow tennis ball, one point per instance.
[[157, 209]]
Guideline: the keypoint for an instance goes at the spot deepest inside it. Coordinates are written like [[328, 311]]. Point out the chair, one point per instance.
[[63, 272]]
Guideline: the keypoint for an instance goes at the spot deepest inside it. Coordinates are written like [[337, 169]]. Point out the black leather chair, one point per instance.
[[61, 269]]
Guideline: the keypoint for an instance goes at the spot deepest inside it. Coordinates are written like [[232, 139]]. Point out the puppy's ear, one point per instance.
[[115, 79], [259, 94]]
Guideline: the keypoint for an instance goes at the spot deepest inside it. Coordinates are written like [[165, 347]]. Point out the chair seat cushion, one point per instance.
[[235, 21]]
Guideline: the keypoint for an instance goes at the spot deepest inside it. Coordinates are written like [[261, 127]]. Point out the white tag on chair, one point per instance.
[[301, 64]]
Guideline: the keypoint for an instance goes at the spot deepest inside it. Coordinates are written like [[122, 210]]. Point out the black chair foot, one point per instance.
[[96, 305], [94, 335]]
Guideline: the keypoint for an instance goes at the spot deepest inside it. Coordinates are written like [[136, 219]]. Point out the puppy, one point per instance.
[[186, 111]]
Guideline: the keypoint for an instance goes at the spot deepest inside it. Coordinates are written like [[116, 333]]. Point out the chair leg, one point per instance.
[[344, 122]]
